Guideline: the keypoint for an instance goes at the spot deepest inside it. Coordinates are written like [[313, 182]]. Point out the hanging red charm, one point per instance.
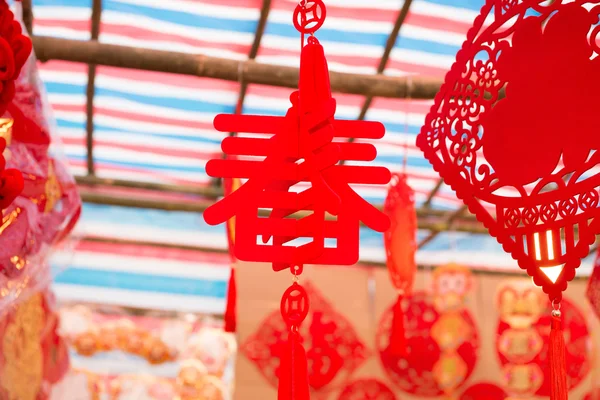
[[230, 317], [295, 170], [526, 164], [16, 48], [400, 248]]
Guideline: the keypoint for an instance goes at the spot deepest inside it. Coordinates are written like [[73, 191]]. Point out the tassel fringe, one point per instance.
[[397, 344], [557, 358]]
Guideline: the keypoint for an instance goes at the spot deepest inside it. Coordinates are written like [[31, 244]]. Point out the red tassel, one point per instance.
[[293, 371], [558, 363], [230, 317], [397, 344]]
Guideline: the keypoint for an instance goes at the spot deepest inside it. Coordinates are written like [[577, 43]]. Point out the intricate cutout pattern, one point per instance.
[[529, 156]]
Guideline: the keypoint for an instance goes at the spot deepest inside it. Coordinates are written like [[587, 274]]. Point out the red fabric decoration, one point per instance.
[[400, 247], [514, 154], [334, 350], [484, 391], [525, 164], [367, 389], [412, 373], [593, 289]]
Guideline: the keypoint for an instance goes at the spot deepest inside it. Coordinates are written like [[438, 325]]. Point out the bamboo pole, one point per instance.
[[429, 220], [89, 52]]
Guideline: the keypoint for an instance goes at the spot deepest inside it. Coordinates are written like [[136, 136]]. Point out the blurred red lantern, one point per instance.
[[400, 248]]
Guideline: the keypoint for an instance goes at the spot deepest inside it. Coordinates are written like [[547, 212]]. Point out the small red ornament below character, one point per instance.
[[532, 155], [300, 151]]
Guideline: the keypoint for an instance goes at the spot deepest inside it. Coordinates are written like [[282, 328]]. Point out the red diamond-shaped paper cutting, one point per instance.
[[514, 132], [333, 349]]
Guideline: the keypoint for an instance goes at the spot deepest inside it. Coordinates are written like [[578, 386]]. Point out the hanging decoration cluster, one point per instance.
[[295, 174], [14, 51], [400, 248], [526, 163]]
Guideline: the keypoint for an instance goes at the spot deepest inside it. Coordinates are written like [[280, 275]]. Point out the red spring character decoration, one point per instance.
[[300, 151], [400, 248], [14, 51], [526, 164]]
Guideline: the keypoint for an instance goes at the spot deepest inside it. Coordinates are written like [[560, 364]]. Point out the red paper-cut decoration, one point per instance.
[[484, 391], [333, 348], [367, 389], [412, 373], [532, 155], [400, 247], [522, 340], [593, 289]]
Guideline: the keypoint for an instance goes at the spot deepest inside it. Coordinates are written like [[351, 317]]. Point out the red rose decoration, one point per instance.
[[11, 184], [15, 49]]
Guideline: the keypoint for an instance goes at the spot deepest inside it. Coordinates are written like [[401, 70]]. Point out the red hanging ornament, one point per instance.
[[299, 152], [526, 164], [15, 49], [333, 348], [230, 318], [400, 248]]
